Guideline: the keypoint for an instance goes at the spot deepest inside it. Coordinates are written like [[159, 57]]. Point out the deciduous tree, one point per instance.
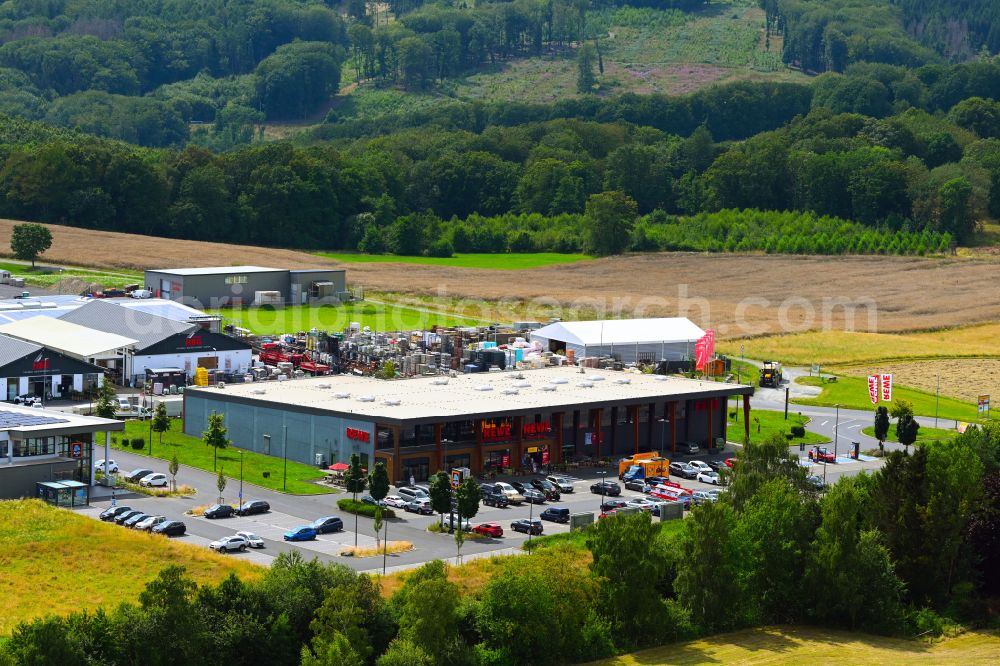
[[27, 241]]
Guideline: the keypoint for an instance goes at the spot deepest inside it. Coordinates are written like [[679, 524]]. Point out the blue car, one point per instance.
[[305, 533]]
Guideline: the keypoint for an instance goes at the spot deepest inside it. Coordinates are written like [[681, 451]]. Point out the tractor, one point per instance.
[[770, 374]]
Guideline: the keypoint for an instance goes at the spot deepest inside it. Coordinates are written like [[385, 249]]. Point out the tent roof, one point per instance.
[[147, 329], [66, 337], [621, 331]]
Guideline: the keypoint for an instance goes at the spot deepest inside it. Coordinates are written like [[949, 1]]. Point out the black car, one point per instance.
[[125, 515], [609, 488], [136, 519], [252, 507], [653, 481], [113, 512], [613, 504], [220, 511], [518, 486], [136, 474], [636, 484], [496, 499], [532, 496], [170, 528], [368, 499], [527, 526], [717, 465], [557, 514], [327, 524], [547, 487]]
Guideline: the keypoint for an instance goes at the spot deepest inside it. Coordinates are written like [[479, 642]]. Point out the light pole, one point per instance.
[[836, 437], [604, 488], [284, 454], [937, 395], [531, 517], [663, 432], [241, 479], [150, 428], [385, 545]]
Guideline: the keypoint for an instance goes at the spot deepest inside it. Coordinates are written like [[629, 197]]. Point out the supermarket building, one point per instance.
[[480, 421]]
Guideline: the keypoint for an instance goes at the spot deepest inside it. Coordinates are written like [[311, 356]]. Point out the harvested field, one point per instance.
[[105, 249], [965, 379]]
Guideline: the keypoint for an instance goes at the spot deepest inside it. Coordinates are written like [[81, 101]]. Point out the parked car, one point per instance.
[[564, 483], [170, 528], [451, 522], [709, 477], [690, 448], [368, 499], [421, 505], [513, 496], [125, 515], [730, 462], [154, 480], [112, 466], [683, 470], [488, 529], [532, 496], [252, 539], [606, 514], [253, 507], [136, 519], [640, 503], [614, 503], [527, 526], [409, 493], [700, 465], [609, 488], [700, 496], [717, 465], [822, 454], [638, 485], [653, 481], [304, 533], [229, 544], [150, 522], [550, 489], [328, 524], [557, 514], [27, 400], [394, 502], [817, 482], [135, 475], [113, 512], [495, 498], [219, 511]]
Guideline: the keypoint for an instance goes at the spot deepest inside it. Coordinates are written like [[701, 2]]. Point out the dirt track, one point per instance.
[[738, 296]]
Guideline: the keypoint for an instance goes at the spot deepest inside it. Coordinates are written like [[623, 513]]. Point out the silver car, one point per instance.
[[150, 523], [252, 539], [229, 544], [564, 484]]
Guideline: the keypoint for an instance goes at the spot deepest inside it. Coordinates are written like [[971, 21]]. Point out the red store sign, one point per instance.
[[496, 432], [358, 435], [193, 341], [540, 429]]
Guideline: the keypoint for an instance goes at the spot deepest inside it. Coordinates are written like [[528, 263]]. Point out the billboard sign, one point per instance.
[[873, 388], [886, 385], [984, 404]]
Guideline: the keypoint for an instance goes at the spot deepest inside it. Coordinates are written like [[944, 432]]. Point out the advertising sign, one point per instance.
[[873, 382], [76, 450], [984, 404], [703, 350], [886, 388]]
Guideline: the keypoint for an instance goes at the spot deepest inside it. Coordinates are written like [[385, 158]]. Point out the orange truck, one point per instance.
[[642, 466]]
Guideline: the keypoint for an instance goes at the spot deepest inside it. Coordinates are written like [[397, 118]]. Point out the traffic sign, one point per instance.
[[984, 404]]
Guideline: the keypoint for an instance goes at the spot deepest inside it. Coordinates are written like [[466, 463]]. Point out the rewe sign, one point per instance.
[[880, 386]]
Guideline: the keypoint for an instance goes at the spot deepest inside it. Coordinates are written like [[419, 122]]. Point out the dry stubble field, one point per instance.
[[738, 296]]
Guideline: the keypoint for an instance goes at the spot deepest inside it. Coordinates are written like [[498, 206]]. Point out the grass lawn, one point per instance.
[[814, 645], [926, 434], [852, 393], [379, 316], [853, 348], [766, 422], [493, 261], [58, 561], [191, 451], [41, 278]]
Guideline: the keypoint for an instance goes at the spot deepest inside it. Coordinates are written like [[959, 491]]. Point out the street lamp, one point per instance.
[[284, 454], [663, 432], [836, 437], [604, 488], [531, 517], [241, 479]]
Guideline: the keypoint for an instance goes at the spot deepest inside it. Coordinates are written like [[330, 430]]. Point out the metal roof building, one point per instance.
[[629, 340], [30, 369], [226, 286], [479, 421]]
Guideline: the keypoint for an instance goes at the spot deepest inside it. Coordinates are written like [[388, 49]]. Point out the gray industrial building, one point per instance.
[[228, 286]]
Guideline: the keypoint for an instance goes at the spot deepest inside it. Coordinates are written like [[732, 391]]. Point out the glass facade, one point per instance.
[[40, 446]]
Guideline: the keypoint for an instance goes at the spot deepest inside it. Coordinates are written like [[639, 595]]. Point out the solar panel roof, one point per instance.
[[10, 419]]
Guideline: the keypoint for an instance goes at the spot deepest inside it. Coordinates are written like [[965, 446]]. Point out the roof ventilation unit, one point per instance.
[[595, 378], [322, 386], [623, 380], [366, 398], [586, 384], [660, 378], [559, 380], [522, 385], [510, 391], [258, 391], [484, 387], [392, 402], [442, 381], [341, 395], [549, 388]]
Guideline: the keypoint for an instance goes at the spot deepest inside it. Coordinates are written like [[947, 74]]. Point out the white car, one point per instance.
[[710, 476], [700, 466], [395, 502], [564, 483], [640, 503], [252, 539], [700, 496], [150, 523], [155, 479], [112, 466], [449, 521], [229, 544]]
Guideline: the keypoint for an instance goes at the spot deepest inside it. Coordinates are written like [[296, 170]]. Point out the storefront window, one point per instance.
[[40, 446], [459, 432]]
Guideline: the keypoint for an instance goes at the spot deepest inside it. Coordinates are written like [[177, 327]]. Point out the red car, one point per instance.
[[488, 529], [821, 454], [606, 514], [730, 462]]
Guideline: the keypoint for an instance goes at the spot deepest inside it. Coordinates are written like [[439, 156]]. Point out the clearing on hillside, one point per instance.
[[58, 561], [811, 645]]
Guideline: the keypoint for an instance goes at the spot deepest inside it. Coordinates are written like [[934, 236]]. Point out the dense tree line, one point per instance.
[[958, 29], [907, 550]]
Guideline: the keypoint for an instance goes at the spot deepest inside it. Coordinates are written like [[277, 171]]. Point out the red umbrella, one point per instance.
[[339, 467]]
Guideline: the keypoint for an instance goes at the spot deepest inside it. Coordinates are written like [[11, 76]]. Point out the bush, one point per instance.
[[798, 431], [351, 506], [138, 443], [124, 442]]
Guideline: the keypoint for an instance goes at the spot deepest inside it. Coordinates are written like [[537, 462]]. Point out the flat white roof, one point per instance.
[[621, 331], [66, 337], [28, 421], [426, 399], [216, 270]]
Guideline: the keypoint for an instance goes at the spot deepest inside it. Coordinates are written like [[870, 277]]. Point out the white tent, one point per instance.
[[671, 338]]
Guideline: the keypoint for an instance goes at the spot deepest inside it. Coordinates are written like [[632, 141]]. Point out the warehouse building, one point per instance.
[[164, 343], [484, 422], [48, 454], [628, 340], [229, 286], [30, 369]]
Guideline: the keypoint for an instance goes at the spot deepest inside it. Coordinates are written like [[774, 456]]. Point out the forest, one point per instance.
[[908, 550]]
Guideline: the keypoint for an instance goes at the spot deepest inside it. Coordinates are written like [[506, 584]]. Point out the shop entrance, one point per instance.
[[416, 468]]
